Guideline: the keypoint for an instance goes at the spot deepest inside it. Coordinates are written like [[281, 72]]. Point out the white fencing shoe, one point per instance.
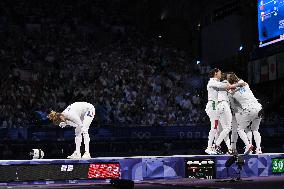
[[75, 155], [86, 155], [210, 151], [258, 151]]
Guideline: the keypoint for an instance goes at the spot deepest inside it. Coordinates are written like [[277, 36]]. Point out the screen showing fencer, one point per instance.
[[270, 21]]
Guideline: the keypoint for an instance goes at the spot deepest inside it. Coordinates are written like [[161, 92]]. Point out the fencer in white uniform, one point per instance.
[[213, 86], [211, 108], [235, 108], [225, 118], [79, 115], [249, 118]]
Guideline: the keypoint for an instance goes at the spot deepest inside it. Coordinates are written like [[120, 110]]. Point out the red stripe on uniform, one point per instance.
[[216, 124]]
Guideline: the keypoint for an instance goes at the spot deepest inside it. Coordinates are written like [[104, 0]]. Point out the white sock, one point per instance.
[[244, 137], [222, 136], [86, 142], [234, 135], [234, 139], [228, 142], [257, 138], [78, 141], [211, 137], [249, 134], [216, 136]]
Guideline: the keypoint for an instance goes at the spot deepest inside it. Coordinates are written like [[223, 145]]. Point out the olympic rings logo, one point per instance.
[[141, 135]]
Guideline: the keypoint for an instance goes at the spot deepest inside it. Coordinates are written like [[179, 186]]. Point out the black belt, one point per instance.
[[223, 101]]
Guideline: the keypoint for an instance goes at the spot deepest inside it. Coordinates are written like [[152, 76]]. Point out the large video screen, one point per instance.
[[270, 21]]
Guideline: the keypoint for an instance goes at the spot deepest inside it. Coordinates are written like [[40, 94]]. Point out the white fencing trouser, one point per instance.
[[227, 139], [234, 135], [83, 130], [225, 117], [212, 114], [249, 134], [249, 118], [253, 130]]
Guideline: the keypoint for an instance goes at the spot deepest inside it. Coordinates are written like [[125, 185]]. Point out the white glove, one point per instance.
[[62, 124]]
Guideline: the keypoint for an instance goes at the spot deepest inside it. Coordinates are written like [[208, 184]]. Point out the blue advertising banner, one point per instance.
[[121, 133]]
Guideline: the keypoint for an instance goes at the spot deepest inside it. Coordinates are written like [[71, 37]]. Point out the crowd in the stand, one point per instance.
[[129, 77], [49, 59]]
